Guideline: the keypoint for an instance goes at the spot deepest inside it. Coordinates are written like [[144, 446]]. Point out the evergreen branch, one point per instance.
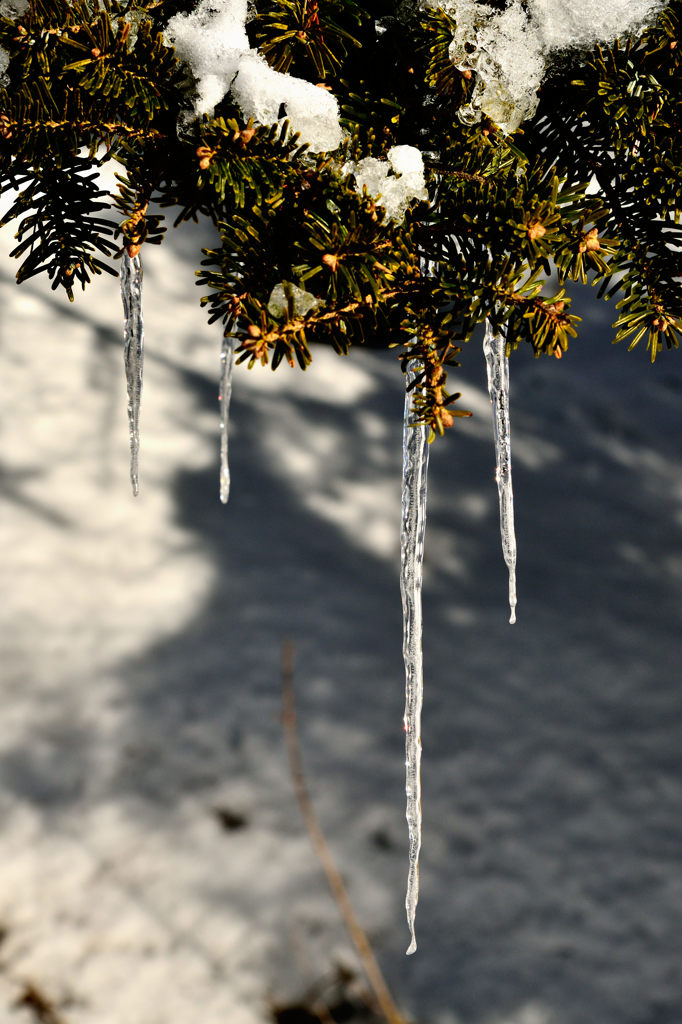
[[59, 230]]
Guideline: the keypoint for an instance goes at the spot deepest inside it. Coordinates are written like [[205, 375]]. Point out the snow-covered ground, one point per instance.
[[140, 680]]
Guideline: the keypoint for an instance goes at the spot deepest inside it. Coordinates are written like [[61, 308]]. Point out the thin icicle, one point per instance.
[[415, 466], [226, 367], [498, 388], [133, 352]]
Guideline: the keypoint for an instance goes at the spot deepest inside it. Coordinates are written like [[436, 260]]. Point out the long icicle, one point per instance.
[[415, 466], [498, 388], [226, 367], [133, 353]]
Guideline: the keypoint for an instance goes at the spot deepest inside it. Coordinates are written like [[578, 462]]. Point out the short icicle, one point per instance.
[[415, 466], [133, 353], [498, 388], [226, 367]]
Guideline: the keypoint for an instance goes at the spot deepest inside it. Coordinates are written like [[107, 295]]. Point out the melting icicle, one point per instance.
[[133, 352], [226, 367], [498, 388], [415, 466]]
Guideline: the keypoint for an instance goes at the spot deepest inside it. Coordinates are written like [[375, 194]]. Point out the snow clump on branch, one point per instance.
[[510, 50], [9, 9], [213, 40], [394, 182], [287, 298]]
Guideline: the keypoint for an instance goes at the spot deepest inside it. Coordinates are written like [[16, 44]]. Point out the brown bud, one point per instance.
[[446, 418], [253, 331], [590, 241], [435, 374], [133, 250], [246, 135], [536, 230], [466, 74], [96, 52], [330, 261]]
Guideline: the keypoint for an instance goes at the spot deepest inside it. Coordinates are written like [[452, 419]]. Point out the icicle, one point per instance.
[[498, 388], [133, 353], [226, 367], [415, 466]]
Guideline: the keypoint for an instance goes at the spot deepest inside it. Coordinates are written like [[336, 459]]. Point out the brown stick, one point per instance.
[[376, 980], [36, 1001]]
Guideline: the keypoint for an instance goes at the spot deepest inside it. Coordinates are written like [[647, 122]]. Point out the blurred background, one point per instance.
[[154, 868]]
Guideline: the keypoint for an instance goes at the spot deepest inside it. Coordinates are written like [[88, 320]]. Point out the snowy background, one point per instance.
[[153, 865]]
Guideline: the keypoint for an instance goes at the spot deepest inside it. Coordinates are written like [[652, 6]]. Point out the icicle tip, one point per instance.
[[412, 948]]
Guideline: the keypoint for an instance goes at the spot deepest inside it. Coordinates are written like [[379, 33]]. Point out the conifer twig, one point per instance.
[[383, 997]]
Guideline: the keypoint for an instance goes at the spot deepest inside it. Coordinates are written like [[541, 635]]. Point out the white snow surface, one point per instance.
[[213, 40], [511, 49], [140, 645]]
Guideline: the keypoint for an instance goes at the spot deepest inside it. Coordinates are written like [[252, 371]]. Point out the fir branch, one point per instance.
[[59, 227]]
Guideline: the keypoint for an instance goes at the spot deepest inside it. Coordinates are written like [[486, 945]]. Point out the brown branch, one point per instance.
[[448, 172], [85, 126], [39, 1004], [357, 933], [356, 305]]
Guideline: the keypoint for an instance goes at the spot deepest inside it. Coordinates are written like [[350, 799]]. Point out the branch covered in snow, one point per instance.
[[213, 40], [511, 49]]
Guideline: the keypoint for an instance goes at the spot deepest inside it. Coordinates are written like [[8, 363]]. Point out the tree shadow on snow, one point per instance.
[[550, 866]]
